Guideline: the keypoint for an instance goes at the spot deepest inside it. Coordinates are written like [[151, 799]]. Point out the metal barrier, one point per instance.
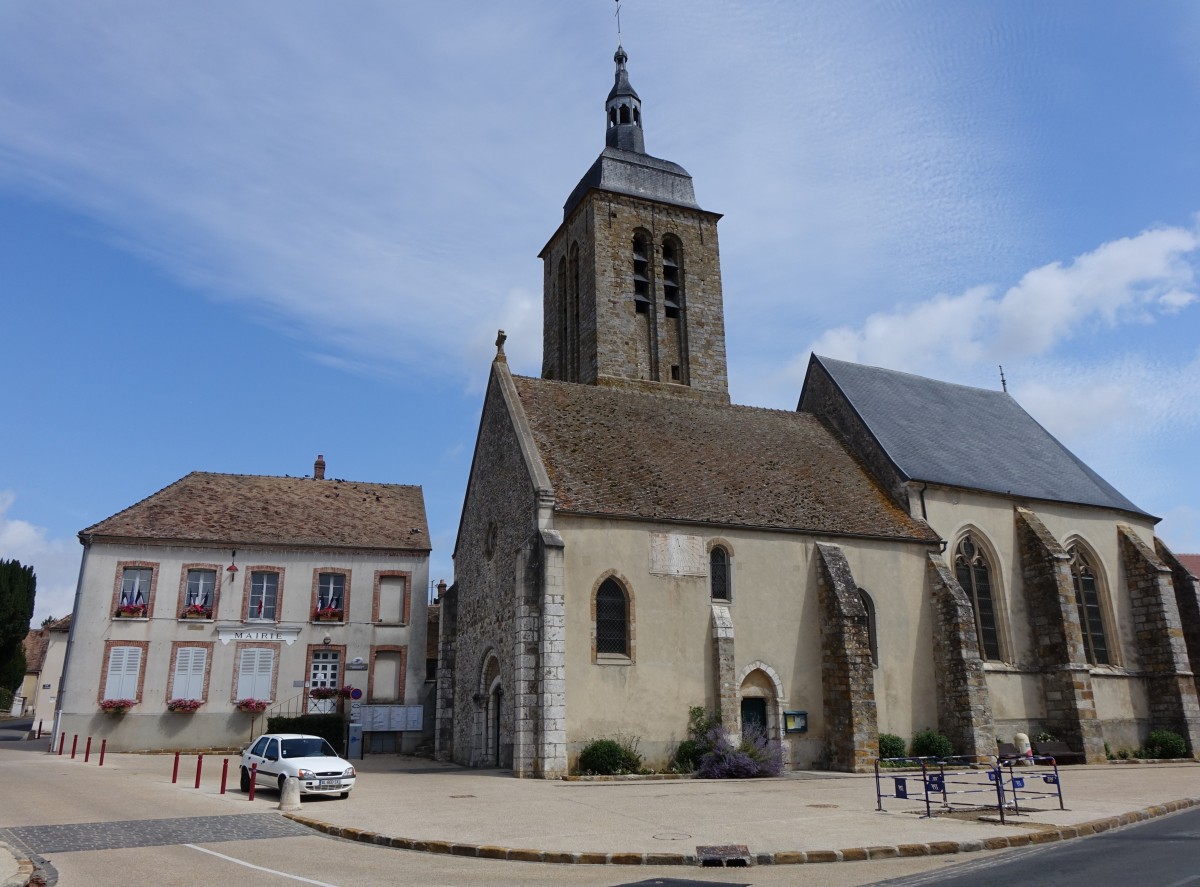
[[945, 782]]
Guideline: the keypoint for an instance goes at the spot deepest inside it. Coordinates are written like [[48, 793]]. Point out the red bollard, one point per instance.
[[175, 772], [199, 766], [74, 745], [224, 773], [62, 737], [103, 745], [253, 779], [39, 736], [87, 751]]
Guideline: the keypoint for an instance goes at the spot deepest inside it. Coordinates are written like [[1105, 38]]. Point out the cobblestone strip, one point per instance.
[[781, 857], [44, 839]]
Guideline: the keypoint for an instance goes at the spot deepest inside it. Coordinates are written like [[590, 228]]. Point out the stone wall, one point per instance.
[[1187, 601], [1160, 642], [1056, 637], [617, 344], [824, 399], [498, 522], [964, 705], [847, 671]]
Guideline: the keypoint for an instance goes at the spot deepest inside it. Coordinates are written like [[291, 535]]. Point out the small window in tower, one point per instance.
[[624, 113], [641, 279], [674, 372], [637, 116], [612, 116], [670, 279]]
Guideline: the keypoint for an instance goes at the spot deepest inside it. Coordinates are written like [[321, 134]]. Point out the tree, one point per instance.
[[18, 585]]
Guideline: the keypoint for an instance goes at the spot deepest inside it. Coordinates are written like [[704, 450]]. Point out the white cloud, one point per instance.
[[1123, 281], [55, 561]]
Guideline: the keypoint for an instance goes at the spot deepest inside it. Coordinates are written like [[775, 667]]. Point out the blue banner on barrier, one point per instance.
[[1051, 778], [1018, 782], [935, 783], [901, 787], [991, 776]]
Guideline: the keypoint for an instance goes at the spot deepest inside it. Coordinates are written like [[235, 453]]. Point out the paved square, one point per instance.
[[43, 839]]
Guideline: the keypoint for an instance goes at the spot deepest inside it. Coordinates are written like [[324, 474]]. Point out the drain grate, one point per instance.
[[717, 855]]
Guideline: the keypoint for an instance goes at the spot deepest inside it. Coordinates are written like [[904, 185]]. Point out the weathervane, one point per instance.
[[618, 21]]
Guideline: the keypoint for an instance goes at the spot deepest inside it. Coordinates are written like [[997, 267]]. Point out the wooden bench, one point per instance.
[[1061, 753], [1008, 752]]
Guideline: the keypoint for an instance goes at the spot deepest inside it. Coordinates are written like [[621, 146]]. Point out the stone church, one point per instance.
[[896, 554]]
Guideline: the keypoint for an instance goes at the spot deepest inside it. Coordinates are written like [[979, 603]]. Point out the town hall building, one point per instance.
[[896, 554]]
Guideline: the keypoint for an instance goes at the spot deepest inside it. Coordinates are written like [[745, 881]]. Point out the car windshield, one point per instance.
[[308, 747]]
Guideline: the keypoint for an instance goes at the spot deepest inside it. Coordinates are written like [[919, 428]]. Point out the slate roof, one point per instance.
[[1191, 562], [968, 437], [243, 509], [630, 454], [640, 175]]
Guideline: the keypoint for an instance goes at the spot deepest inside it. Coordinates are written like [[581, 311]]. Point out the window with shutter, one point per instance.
[[188, 682], [255, 666], [124, 663]]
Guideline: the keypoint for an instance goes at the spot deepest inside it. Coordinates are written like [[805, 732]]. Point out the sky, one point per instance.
[[234, 236]]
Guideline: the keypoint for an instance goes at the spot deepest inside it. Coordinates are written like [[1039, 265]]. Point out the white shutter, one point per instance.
[[254, 673], [189, 673], [123, 666]]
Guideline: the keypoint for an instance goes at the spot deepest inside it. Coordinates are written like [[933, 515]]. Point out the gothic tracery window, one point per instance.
[[1087, 598], [974, 574], [612, 619]]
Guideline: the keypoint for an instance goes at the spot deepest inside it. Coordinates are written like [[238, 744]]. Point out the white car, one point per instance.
[[312, 760]]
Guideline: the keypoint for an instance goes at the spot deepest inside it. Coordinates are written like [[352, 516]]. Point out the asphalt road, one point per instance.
[[1163, 852]]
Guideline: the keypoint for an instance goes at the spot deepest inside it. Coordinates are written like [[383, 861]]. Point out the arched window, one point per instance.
[[641, 273], [612, 619], [718, 573], [872, 635], [974, 574], [1087, 597]]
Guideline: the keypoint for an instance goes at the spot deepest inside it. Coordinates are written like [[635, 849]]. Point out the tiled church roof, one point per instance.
[[1191, 562], [629, 454], [242, 509], [967, 437]]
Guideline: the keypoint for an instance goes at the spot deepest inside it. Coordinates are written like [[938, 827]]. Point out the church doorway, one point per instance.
[[489, 715], [754, 715]]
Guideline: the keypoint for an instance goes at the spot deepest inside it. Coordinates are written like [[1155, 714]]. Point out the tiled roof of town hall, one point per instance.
[[243, 509], [960, 436], [659, 457], [35, 644]]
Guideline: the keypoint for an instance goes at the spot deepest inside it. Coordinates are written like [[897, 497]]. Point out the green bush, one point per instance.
[[1164, 744], [6, 698], [607, 757], [331, 728], [687, 756], [931, 744], [890, 746], [701, 726]]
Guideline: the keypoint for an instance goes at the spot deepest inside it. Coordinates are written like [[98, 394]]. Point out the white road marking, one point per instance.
[[259, 867]]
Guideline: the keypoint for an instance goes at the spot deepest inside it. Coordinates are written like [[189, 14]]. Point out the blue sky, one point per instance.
[[233, 236]]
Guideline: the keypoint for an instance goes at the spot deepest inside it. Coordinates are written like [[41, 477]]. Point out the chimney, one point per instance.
[[441, 591], [319, 468]]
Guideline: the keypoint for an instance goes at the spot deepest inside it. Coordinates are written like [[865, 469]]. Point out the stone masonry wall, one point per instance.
[[1187, 600], [498, 520], [1159, 637], [822, 398], [725, 666], [443, 733], [1057, 640], [847, 671], [964, 704], [613, 337]]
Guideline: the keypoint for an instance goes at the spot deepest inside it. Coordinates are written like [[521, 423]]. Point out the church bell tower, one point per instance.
[[632, 277]]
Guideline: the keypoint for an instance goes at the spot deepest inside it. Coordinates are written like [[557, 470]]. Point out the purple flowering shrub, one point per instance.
[[755, 755]]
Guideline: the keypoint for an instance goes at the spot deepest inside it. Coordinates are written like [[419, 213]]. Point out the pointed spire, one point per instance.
[[624, 110]]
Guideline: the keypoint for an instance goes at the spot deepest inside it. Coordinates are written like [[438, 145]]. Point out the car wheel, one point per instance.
[[282, 780], [245, 780]]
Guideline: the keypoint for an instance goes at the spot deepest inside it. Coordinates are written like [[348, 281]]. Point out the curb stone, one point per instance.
[[24, 868], [779, 857]]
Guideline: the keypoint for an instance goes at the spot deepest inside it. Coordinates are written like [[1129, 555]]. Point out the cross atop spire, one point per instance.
[[624, 110]]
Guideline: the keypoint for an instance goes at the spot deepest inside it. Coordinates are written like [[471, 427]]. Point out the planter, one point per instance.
[[183, 706], [253, 706], [130, 613], [117, 706], [198, 615]]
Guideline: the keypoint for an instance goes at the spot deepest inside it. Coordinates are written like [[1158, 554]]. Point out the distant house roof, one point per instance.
[[959, 436], [35, 645], [630, 454], [1191, 562], [242, 509]]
